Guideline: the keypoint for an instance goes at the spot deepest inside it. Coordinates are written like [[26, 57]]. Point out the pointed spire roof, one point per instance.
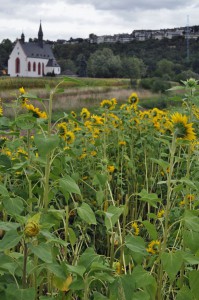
[[40, 36]]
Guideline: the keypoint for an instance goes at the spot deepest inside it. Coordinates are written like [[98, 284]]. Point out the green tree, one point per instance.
[[165, 67], [133, 68], [103, 63]]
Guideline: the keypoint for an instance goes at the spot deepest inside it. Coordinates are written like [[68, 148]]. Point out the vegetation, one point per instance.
[[99, 205], [165, 58]]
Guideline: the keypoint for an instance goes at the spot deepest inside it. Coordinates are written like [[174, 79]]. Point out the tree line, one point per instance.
[[173, 59]]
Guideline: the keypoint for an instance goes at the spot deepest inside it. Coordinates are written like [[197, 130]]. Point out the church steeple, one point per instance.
[[22, 38], [40, 36]]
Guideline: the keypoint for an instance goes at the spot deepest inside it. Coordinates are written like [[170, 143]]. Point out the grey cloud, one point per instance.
[[132, 4]]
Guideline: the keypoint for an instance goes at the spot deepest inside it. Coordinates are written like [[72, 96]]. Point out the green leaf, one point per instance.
[[184, 294], [79, 270], [145, 280], [151, 230], [42, 251], [46, 144], [68, 185], [100, 197], [100, 179], [123, 288], [88, 257], [163, 164], [194, 282], [10, 240], [136, 244], [191, 240], [13, 206], [57, 270], [96, 266], [13, 293], [5, 162], [191, 259], [3, 190], [150, 198], [141, 295], [72, 236], [112, 215], [98, 296], [172, 263], [9, 226], [86, 214], [25, 121], [191, 219]]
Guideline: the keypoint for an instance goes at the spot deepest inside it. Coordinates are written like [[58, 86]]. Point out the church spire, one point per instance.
[[40, 36]]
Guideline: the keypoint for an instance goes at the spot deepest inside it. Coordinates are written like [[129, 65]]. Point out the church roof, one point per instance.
[[52, 63], [33, 49]]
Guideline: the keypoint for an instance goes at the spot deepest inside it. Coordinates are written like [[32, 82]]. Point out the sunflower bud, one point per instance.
[[31, 229]]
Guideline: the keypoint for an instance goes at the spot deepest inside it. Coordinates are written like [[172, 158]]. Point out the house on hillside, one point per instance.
[[32, 59]]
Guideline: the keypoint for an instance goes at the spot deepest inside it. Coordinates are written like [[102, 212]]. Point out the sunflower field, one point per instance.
[[100, 205]]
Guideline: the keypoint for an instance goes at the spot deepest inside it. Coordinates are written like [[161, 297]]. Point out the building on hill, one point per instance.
[[32, 59]]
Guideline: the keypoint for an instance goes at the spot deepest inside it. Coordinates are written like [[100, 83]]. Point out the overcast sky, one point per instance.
[[62, 19]]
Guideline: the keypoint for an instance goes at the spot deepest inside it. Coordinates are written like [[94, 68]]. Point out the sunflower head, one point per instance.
[[70, 137], [133, 98], [62, 129], [181, 128], [85, 113], [136, 229], [153, 247]]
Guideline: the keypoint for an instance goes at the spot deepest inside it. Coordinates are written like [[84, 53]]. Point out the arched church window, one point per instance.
[[34, 66], [29, 66], [17, 65], [39, 68]]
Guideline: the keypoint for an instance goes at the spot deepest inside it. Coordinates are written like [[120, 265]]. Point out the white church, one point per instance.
[[32, 59]]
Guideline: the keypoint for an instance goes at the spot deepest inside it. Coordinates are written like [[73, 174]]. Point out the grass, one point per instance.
[[77, 92]]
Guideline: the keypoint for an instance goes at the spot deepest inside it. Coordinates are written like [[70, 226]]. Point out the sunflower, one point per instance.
[[69, 137], [97, 120], [153, 247], [133, 99], [107, 104], [22, 90], [136, 229], [182, 128], [35, 111], [160, 214], [85, 113], [122, 143], [111, 169], [62, 129]]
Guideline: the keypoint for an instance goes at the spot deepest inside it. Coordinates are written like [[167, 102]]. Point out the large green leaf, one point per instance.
[[68, 185], [88, 257], [5, 162], [136, 244], [191, 219], [151, 229], [25, 121], [194, 282], [146, 281], [8, 226], [3, 190], [112, 215], [46, 144], [13, 293], [10, 240], [150, 198], [13, 206], [86, 214], [185, 294], [42, 251], [191, 240], [172, 263]]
